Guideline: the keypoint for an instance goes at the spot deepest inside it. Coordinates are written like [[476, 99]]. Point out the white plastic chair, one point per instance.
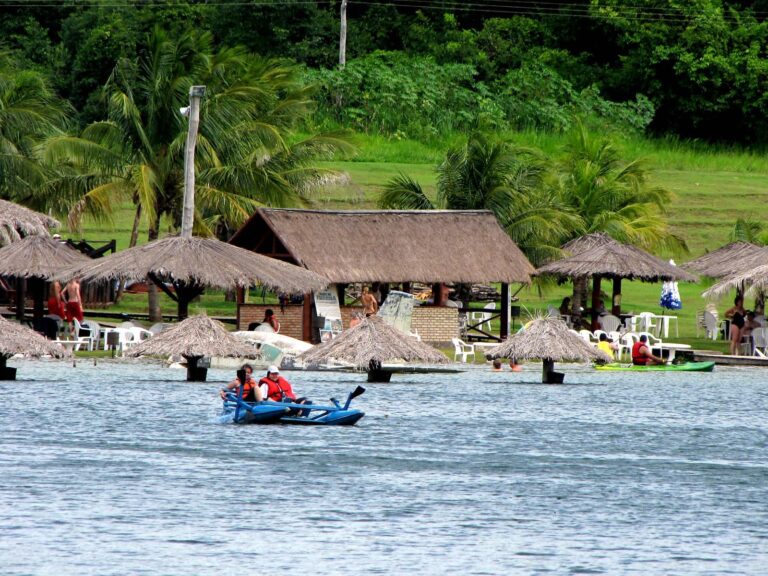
[[711, 325], [462, 351], [626, 343], [609, 322], [88, 330], [484, 318], [760, 342], [588, 336], [645, 322], [654, 343], [139, 335]]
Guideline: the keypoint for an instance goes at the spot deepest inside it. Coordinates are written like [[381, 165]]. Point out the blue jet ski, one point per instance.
[[237, 411]]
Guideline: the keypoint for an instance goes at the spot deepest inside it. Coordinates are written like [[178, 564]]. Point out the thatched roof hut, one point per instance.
[[549, 340], [728, 260], [371, 343], [194, 338], [755, 280], [39, 256], [193, 264], [600, 255], [17, 221], [431, 246], [18, 339]]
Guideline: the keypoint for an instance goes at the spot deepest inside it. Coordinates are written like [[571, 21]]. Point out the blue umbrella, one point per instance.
[[670, 295]]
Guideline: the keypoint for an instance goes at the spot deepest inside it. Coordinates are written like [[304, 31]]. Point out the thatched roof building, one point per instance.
[[39, 256], [600, 255], [549, 340], [396, 246], [730, 259], [194, 338], [17, 221], [370, 344], [18, 339]]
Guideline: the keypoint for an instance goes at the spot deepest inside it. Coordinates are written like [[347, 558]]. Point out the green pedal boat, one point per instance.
[[682, 367]]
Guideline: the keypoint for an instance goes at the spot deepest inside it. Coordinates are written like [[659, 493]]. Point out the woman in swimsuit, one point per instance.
[[736, 314]]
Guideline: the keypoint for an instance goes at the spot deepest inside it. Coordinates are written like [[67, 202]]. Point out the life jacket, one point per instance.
[[638, 358], [248, 390], [278, 389]]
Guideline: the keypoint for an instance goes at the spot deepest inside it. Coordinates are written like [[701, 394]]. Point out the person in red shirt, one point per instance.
[[641, 353]]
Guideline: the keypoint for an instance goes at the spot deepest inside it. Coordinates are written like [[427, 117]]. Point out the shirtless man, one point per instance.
[[74, 306], [370, 306]]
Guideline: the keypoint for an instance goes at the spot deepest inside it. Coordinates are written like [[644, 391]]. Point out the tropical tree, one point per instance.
[[29, 112], [613, 196], [244, 154], [495, 175], [749, 230]]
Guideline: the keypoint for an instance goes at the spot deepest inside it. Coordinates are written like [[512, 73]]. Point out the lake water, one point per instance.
[[121, 469]]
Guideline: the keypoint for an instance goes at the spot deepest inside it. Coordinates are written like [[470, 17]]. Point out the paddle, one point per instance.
[[352, 395]]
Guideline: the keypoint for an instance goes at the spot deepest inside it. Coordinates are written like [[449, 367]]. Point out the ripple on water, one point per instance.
[[121, 468]]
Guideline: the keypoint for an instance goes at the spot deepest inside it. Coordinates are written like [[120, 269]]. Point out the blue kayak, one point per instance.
[[238, 411]]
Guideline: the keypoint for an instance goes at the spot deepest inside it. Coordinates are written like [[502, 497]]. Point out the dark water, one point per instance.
[[120, 469]]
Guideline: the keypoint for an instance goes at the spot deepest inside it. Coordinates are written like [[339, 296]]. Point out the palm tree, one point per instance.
[[29, 112], [244, 158], [613, 196], [512, 182]]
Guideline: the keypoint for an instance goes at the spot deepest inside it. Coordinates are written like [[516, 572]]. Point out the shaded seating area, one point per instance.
[[392, 249]]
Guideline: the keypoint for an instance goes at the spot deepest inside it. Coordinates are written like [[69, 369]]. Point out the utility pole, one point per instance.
[[343, 35], [196, 94]]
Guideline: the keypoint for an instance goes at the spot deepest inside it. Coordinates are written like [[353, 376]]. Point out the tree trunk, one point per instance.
[[131, 243], [580, 288], [153, 297]]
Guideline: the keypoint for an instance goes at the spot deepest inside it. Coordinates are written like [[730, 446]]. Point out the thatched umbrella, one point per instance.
[[756, 279], [193, 264], [18, 339], [371, 343], [549, 340], [40, 258], [194, 338], [17, 221], [728, 260], [600, 256]]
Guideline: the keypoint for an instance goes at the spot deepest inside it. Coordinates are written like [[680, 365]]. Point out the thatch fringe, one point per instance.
[[200, 261], [547, 339], [728, 260], [38, 256], [17, 221], [195, 337], [755, 280], [395, 246], [373, 340], [18, 339], [600, 255]]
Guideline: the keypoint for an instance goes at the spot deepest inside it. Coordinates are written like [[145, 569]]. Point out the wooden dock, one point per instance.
[[728, 360]]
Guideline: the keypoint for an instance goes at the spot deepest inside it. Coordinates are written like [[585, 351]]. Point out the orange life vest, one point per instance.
[[278, 389], [248, 390]]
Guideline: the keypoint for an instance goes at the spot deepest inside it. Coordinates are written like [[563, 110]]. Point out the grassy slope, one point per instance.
[[712, 188]]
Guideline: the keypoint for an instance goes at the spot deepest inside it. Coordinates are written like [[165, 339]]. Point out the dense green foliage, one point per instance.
[[693, 69]]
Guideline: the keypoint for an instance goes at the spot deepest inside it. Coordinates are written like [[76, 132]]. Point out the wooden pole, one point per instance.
[[188, 211], [343, 35], [616, 298], [504, 307], [595, 301]]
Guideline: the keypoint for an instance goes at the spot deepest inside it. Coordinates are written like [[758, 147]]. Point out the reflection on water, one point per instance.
[[120, 469]]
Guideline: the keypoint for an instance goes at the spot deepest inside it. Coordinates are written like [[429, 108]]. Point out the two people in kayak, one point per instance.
[[271, 387]]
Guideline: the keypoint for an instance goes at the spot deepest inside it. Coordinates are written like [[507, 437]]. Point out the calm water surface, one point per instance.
[[121, 469]]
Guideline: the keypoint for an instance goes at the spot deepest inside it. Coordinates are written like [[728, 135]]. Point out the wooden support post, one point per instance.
[[616, 298], [21, 298], [340, 289], [5, 372], [504, 307], [306, 318], [595, 301]]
